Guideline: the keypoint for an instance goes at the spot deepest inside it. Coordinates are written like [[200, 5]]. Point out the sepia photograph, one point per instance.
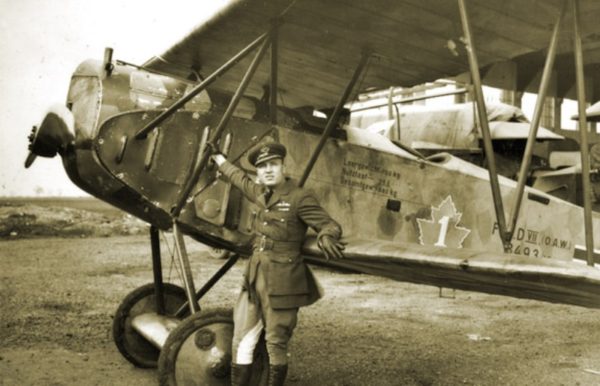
[[300, 192]]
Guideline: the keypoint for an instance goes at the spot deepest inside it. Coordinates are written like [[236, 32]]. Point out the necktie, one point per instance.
[[268, 194]]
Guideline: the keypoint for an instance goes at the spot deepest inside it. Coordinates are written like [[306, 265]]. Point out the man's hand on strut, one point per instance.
[[218, 158], [331, 247]]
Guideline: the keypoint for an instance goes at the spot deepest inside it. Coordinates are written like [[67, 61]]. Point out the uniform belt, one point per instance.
[[263, 243]]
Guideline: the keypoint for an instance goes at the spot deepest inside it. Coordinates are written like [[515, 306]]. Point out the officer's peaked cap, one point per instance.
[[267, 152]]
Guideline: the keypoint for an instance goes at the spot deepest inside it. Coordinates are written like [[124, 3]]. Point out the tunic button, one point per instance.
[[282, 220], [265, 223], [267, 210]]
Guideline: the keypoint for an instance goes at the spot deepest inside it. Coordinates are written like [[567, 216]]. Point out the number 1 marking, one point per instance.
[[441, 242]]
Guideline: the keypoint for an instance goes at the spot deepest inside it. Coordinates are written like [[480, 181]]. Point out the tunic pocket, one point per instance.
[[287, 278]]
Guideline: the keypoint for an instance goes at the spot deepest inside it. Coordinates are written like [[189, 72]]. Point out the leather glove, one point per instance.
[[331, 247]]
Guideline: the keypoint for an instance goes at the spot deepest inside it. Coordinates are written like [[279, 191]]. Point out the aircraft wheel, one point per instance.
[[218, 253], [134, 347], [198, 352]]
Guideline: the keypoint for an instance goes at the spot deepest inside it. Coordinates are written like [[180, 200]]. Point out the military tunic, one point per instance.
[[280, 228]]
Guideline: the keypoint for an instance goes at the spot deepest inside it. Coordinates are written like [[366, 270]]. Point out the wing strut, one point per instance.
[[335, 116], [204, 155], [506, 233], [535, 123], [583, 133], [200, 87], [485, 129]]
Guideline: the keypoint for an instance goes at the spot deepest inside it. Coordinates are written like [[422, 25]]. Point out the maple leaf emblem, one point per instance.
[[442, 229]]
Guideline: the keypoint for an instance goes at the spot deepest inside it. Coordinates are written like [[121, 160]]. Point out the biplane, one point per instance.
[[140, 138]]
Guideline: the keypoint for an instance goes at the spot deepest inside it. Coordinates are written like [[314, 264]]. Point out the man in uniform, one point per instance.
[[276, 281]]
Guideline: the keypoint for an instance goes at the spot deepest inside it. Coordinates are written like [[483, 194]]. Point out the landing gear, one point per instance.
[[134, 347], [198, 352]]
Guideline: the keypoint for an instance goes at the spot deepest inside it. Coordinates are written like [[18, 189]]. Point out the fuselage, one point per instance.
[[373, 189]]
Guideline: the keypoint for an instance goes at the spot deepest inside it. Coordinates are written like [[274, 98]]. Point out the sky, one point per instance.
[[41, 44]]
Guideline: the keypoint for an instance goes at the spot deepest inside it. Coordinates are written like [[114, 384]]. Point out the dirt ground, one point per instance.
[[58, 296]]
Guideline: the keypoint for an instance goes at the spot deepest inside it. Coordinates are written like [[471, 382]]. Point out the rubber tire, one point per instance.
[[218, 253], [135, 348], [168, 357]]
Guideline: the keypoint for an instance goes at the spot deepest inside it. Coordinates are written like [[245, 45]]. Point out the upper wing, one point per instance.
[[513, 275], [413, 41]]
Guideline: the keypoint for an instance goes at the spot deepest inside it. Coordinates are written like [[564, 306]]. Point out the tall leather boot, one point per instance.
[[277, 374], [240, 374]]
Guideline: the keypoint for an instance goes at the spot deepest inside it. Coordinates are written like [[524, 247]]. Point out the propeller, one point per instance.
[[53, 136]]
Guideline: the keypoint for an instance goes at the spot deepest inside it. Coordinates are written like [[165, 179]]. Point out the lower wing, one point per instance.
[[569, 282]]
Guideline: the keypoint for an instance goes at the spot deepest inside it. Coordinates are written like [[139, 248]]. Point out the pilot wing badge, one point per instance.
[[442, 228], [283, 206]]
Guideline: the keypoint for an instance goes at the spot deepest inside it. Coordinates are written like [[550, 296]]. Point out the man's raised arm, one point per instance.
[[237, 177]]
